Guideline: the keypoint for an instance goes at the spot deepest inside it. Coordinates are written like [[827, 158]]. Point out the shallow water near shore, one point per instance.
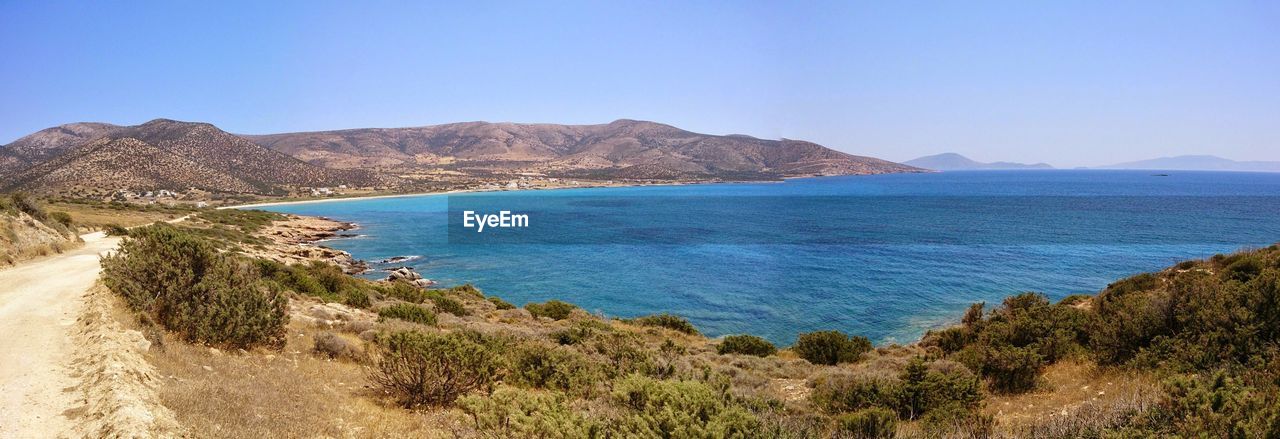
[[886, 256]]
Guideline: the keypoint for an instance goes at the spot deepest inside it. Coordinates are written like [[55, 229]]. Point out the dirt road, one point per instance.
[[39, 303]]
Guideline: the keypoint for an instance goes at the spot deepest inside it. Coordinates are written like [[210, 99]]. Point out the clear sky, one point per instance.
[[1071, 83]]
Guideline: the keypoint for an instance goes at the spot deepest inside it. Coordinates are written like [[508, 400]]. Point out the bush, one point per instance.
[[830, 347], [467, 289], [1010, 369], [664, 320], [25, 204], [840, 393], [334, 346], [295, 278], [501, 304], [432, 369], [405, 291], [923, 390], [511, 412], [575, 334], [869, 423], [669, 408], [61, 218], [356, 297], [555, 368], [958, 421], [409, 313], [116, 230], [183, 283], [623, 353], [445, 304], [552, 309], [746, 345], [1015, 341], [248, 221]]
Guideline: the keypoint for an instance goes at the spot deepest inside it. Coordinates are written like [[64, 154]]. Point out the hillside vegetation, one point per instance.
[[396, 359], [97, 159], [27, 230]]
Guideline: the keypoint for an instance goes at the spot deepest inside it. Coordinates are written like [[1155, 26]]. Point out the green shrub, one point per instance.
[[950, 340], [679, 409], [746, 345], [868, 423], [445, 304], [432, 369], [830, 347], [959, 421], [555, 368], [356, 297], [664, 320], [61, 218], [330, 277], [248, 221], [183, 283], [25, 204], [840, 393], [405, 291], [296, 278], [1014, 342], [552, 309], [575, 334], [1221, 404], [517, 413], [409, 313], [501, 304], [467, 290], [623, 353], [922, 389], [1010, 369], [116, 230]]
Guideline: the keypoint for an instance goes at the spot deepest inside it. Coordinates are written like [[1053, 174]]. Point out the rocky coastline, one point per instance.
[[296, 239]]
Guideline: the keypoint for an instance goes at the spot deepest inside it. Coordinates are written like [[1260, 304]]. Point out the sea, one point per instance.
[[888, 257]]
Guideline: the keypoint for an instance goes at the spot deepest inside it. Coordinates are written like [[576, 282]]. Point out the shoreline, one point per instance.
[[557, 188]]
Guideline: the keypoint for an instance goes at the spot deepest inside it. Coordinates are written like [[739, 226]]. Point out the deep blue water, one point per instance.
[[883, 256]]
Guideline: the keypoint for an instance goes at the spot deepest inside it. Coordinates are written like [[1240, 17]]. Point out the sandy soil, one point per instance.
[[39, 304]]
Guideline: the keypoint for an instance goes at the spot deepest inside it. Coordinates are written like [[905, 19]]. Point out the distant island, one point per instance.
[[1196, 163], [955, 162]]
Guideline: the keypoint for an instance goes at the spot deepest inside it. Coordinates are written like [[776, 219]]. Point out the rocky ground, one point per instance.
[[296, 240]]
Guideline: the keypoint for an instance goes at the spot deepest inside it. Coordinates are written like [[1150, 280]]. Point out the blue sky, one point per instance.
[[1071, 83]]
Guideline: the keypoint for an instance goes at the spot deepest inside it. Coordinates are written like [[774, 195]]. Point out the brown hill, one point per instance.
[[48, 143], [621, 149], [160, 154]]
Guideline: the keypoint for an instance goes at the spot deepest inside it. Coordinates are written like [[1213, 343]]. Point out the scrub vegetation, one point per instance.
[[1190, 351], [28, 230]]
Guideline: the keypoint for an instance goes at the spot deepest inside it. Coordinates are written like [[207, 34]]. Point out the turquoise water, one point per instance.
[[885, 256]]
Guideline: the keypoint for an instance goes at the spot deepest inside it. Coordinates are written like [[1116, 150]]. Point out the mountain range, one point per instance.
[[621, 149], [89, 157], [955, 162], [1197, 163]]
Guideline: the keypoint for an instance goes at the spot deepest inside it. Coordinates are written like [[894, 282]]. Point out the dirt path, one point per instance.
[[39, 303]]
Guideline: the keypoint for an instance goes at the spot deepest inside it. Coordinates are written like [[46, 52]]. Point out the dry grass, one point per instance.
[[292, 393], [1076, 397], [23, 238], [95, 217]]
